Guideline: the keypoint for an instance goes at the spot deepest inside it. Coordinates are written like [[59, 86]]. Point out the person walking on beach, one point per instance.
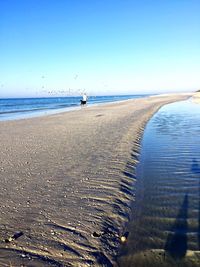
[[84, 99]]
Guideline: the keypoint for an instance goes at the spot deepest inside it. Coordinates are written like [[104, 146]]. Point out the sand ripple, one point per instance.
[[67, 182]]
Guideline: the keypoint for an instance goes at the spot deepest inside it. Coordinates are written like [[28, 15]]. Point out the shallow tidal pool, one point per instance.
[[165, 226]]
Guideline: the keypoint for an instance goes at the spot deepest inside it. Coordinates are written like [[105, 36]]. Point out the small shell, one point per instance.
[[123, 239]]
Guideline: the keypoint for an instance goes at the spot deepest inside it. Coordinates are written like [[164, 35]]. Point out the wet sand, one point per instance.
[[66, 183]]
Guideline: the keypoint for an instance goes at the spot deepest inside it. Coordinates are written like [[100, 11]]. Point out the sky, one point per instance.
[[102, 47]]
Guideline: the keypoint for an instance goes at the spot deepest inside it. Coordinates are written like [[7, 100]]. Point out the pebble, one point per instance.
[[95, 234]]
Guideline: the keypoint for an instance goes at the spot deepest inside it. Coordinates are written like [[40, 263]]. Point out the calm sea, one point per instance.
[[18, 108]]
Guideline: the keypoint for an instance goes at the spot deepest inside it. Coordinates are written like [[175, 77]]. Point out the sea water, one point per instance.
[[18, 108], [165, 225]]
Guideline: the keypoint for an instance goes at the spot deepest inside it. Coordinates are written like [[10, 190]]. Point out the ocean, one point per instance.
[[20, 108]]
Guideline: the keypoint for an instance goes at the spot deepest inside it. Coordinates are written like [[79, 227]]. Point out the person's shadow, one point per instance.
[[195, 168], [176, 244]]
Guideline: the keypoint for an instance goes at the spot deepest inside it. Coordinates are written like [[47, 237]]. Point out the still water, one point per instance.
[[165, 225]]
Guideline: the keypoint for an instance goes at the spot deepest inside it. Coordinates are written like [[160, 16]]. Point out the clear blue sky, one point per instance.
[[58, 47]]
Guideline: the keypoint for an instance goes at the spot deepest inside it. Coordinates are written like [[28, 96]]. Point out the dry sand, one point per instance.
[[66, 183], [196, 97]]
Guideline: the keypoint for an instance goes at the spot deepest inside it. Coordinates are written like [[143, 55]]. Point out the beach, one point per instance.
[[67, 182]]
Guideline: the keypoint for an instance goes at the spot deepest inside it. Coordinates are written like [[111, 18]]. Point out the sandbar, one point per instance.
[[67, 183]]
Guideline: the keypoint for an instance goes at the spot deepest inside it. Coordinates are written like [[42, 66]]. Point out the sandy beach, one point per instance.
[[67, 182]]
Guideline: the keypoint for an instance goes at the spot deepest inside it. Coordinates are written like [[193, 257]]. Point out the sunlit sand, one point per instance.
[[66, 183]]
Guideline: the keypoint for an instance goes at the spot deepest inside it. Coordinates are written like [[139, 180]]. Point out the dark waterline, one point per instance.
[[18, 108], [165, 225]]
